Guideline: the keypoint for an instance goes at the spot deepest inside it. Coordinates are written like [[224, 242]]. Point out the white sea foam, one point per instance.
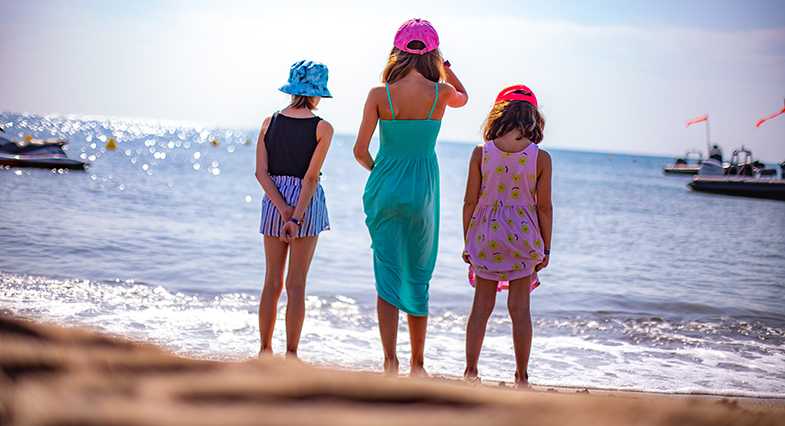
[[341, 333]]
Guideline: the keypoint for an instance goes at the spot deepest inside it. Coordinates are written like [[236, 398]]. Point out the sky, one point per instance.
[[610, 76]]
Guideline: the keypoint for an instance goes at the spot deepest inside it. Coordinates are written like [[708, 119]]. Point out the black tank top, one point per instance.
[[290, 144]]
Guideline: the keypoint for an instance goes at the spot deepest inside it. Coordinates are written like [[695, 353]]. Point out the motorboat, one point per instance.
[[46, 154], [744, 178], [737, 166], [687, 165], [711, 166], [753, 187]]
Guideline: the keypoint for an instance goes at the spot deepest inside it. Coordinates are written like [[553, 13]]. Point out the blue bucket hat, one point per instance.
[[307, 78]]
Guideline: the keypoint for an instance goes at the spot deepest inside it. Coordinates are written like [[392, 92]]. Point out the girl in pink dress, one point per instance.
[[507, 220]]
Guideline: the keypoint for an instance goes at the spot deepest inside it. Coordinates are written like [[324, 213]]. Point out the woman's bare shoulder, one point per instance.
[[266, 123], [446, 90], [477, 151], [376, 94], [324, 127], [378, 91], [543, 159]]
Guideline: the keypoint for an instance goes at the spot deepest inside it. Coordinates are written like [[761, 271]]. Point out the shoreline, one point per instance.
[[6, 313], [774, 404], [595, 391], [641, 394], [53, 375]]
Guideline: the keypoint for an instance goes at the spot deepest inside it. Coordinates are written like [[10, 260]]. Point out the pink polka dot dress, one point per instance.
[[503, 239]]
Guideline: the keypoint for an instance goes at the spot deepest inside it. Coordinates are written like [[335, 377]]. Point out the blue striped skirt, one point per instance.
[[316, 219]]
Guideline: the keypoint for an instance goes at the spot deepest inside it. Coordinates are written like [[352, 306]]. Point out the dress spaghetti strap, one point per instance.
[[434, 101], [389, 99]]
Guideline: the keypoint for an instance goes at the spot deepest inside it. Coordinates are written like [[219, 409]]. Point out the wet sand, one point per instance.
[[53, 375]]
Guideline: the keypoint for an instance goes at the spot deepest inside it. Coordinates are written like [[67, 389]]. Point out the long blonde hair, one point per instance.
[[429, 64]]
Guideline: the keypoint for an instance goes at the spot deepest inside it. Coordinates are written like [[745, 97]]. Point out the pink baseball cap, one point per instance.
[[416, 29], [516, 92]]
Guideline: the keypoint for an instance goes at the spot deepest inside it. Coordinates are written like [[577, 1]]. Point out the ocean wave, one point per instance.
[[721, 356]]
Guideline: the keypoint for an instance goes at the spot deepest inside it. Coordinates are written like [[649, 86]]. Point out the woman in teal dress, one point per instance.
[[401, 198]]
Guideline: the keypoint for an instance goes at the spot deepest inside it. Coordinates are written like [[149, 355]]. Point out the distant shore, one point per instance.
[[54, 375]]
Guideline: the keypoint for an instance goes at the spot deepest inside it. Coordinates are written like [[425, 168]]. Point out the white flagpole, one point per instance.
[[708, 139]]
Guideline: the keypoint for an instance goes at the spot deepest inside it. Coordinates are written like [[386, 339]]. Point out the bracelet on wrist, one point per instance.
[[547, 251], [296, 222]]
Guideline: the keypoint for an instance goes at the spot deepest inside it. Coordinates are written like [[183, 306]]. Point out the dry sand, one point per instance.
[[64, 376]]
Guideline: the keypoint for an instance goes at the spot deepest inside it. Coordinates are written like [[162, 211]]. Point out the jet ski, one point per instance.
[[46, 154]]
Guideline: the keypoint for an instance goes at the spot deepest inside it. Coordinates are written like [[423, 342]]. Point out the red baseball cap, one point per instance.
[[516, 92], [416, 29]]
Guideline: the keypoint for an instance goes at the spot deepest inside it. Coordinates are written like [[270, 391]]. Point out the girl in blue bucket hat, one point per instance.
[[292, 146]]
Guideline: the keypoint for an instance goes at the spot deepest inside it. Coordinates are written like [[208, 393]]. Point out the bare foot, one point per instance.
[[522, 382], [265, 352], [418, 372], [472, 380], [292, 356], [469, 374], [391, 367]]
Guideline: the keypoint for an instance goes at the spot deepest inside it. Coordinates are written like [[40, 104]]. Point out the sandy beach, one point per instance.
[[57, 375]]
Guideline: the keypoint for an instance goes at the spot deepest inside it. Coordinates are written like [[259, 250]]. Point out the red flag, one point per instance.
[[769, 117], [697, 120]]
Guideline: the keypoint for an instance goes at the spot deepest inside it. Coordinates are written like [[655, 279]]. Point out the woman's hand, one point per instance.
[[287, 234], [465, 256], [542, 264], [289, 231]]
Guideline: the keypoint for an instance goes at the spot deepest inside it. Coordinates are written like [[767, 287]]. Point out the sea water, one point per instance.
[[651, 287]]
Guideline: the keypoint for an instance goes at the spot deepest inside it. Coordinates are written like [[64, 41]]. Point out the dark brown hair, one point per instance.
[[511, 115], [303, 102], [429, 64]]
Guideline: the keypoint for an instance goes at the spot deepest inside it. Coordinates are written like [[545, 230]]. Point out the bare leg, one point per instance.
[[417, 329], [388, 328], [275, 261], [300, 255], [518, 305], [482, 308]]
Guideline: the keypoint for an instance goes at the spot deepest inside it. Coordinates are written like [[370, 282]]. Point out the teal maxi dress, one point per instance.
[[401, 202]]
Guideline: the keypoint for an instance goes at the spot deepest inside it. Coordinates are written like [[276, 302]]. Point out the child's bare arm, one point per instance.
[[264, 178], [544, 205], [473, 185], [459, 96], [367, 127]]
